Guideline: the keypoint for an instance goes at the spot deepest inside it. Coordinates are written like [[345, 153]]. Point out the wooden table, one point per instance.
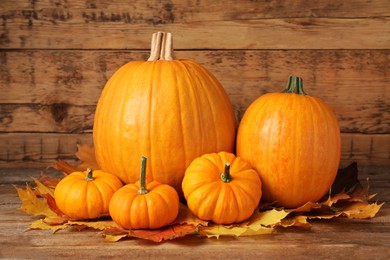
[[339, 238]]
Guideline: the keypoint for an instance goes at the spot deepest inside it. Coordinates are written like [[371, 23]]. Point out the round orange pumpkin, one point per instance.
[[293, 141], [222, 188], [144, 206], [171, 111], [86, 195]]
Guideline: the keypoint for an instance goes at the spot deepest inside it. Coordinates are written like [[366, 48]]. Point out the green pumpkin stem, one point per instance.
[[89, 175], [225, 176], [142, 177], [295, 85]]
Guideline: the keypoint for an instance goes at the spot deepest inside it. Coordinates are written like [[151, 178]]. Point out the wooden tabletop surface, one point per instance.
[[339, 238]]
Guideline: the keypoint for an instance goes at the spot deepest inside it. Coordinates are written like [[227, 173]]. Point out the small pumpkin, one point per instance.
[[222, 188], [293, 141], [87, 194], [144, 206], [157, 107]]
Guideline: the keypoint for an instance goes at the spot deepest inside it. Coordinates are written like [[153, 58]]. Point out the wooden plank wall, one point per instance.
[[56, 55]]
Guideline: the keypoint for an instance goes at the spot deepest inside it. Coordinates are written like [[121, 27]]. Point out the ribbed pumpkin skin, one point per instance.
[[158, 208], [210, 198], [169, 111], [293, 141], [80, 199]]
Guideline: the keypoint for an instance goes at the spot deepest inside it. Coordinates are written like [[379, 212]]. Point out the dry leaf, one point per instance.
[[259, 224], [351, 200], [86, 154], [64, 167], [156, 235], [186, 217], [295, 221], [47, 181], [33, 205], [46, 224]]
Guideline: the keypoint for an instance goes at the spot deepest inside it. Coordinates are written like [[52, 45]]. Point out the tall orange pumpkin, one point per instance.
[[171, 111], [293, 141]]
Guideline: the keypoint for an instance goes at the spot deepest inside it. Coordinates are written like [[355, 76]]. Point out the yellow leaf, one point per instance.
[[42, 189], [33, 205], [296, 221], [96, 224], [186, 217], [361, 210], [236, 231], [267, 218], [41, 224]]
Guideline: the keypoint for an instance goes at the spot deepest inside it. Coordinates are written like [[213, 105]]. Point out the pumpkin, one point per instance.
[[293, 141], [144, 205], [171, 111], [87, 194], [222, 188]]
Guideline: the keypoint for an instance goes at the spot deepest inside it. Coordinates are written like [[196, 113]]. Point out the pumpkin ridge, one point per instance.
[[211, 109], [194, 92]]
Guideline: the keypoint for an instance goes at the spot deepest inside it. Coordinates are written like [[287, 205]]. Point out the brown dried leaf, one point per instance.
[[86, 154], [156, 235], [47, 181], [167, 233], [346, 180], [64, 167]]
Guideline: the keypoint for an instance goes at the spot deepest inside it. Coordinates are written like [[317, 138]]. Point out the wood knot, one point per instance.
[[59, 111]]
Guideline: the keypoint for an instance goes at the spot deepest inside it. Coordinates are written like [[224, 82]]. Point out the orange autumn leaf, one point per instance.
[[353, 201], [86, 155], [156, 235], [48, 181], [33, 205], [64, 167]]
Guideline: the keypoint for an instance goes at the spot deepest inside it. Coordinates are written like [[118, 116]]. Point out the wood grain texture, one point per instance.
[[39, 150], [203, 24], [56, 56], [63, 92], [327, 239]]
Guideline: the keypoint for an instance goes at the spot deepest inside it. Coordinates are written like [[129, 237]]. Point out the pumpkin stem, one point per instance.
[[89, 175], [162, 46], [225, 176], [294, 85], [142, 177]]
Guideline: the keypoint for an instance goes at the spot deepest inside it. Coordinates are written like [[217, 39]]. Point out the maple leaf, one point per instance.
[[155, 235], [64, 167], [33, 205], [86, 154], [47, 181], [347, 198], [48, 224], [259, 224], [185, 216]]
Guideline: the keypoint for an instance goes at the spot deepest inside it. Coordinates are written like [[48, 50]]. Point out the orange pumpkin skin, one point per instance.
[[156, 209], [210, 197], [157, 108], [79, 198], [293, 141]]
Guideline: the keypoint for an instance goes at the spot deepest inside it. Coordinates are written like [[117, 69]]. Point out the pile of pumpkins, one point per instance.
[[166, 129]]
